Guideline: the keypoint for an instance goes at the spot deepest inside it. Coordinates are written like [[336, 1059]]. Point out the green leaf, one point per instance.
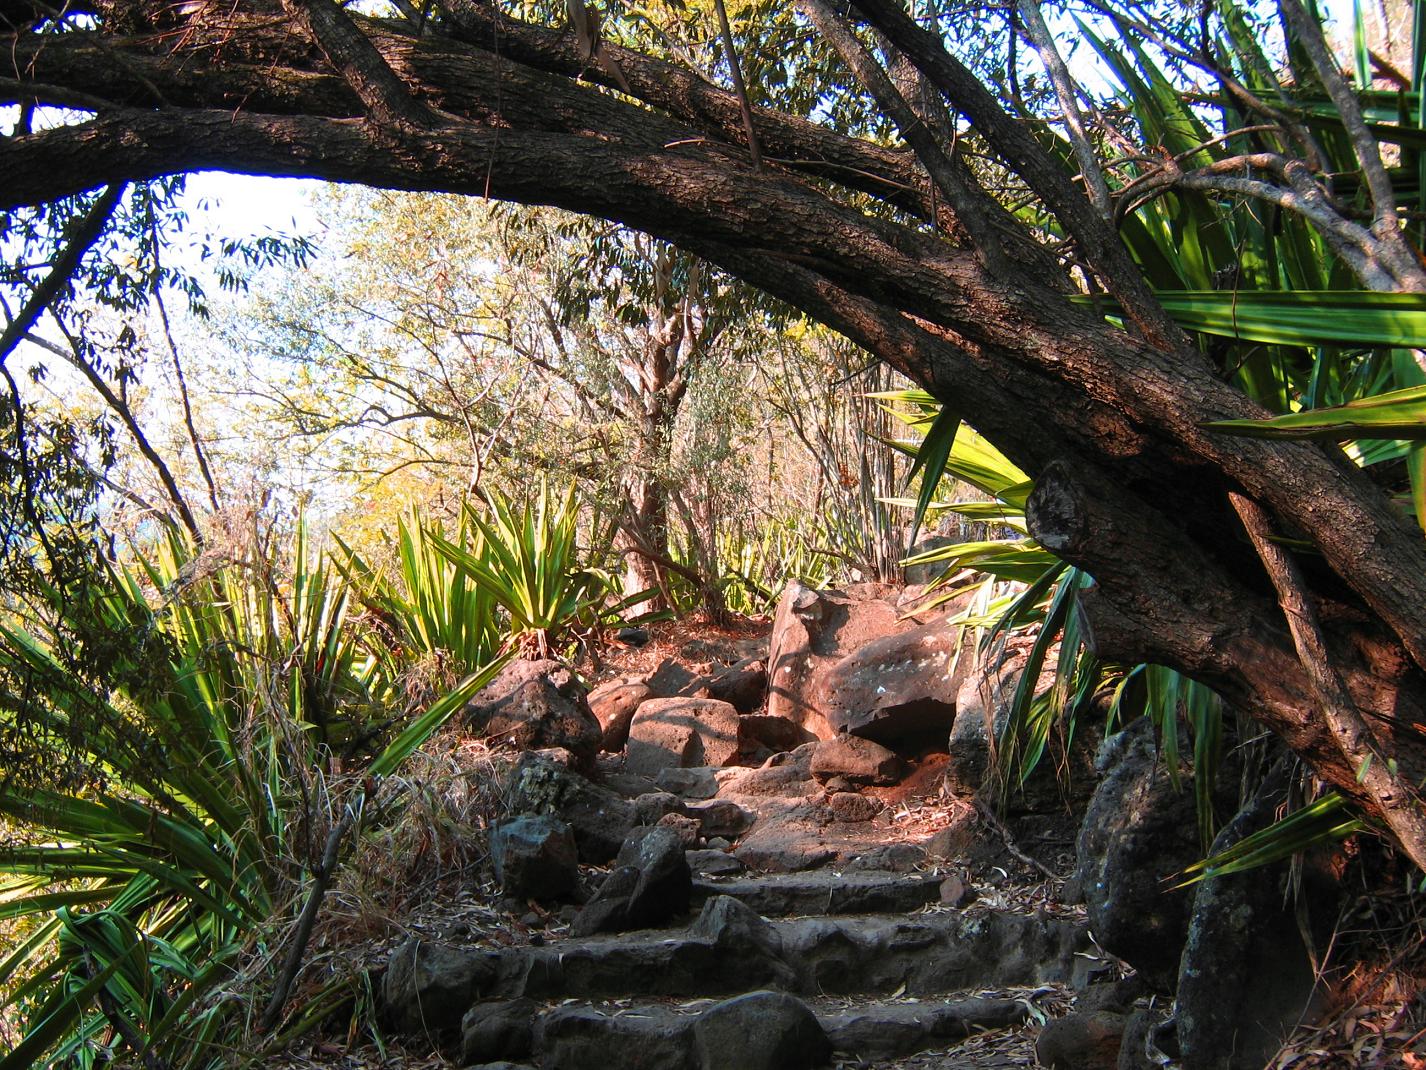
[[1395, 414], [930, 462], [1298, 317]]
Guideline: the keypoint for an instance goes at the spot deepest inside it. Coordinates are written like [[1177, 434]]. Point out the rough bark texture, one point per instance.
[[1129, 485]]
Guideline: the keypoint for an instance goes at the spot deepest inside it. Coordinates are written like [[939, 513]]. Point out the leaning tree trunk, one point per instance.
[[1108, 421]]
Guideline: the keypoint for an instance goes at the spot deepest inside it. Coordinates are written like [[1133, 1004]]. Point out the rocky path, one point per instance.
[[752, 927]]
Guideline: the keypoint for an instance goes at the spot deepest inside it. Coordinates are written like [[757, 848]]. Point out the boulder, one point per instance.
[[599, 818], [535, 857], [532, 704], [633, 636], [613, 704], [759, 1031], [983, 702], [427, 985], [857, 760], [651, 807], [890, 857], [789, 837], [897, 687], [608, 909], [777, 734], [811, 631], [1138, 830], [783, 774], [684, 827], [721, 817], [724, 650], [710, 863], [586, 1038], [698, 783], [955, 840], [672, 679], [1246, 978], [738, 931], [650, 884], [742, 685], [682, 732], [665, 882], [500, 1030]]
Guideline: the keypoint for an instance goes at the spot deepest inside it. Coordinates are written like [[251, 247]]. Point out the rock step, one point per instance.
[[729, 949], [822, 892], [889, 1029], [771, 1030]]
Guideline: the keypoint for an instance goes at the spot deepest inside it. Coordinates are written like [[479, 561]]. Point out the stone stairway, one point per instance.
[[774, 971], [745, 918]]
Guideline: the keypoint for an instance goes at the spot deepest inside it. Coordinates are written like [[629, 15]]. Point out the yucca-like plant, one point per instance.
[[149, 885], [430, 617], [526, 559]]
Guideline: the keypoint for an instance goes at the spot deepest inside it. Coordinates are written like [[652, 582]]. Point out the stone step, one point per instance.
[[750, 1032], [730, 949], [888, 1029], [821, 892]]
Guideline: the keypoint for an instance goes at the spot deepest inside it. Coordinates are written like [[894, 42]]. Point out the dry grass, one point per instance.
[[1377, 973]]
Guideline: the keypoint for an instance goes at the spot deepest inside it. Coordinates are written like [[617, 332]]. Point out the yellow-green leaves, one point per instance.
[[1395, 414]]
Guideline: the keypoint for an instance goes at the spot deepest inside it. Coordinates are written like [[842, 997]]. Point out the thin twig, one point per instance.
[[84, 233], [996, 826], [321, 880], [737, 71]]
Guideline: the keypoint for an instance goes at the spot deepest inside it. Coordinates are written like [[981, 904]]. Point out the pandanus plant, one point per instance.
[[148, 888]]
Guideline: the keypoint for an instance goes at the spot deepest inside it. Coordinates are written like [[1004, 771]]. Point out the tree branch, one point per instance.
[[1399, 805]]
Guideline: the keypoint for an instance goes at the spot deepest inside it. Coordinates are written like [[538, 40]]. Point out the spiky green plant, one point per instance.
[[527, 561], [211, 760], [429, 611]]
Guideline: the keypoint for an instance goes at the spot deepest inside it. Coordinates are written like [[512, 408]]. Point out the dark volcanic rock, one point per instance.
[[652, 807], [501, 1030], [759, 1031], [1246, 979], [1081, 1041], [1137, 831], [608, 910], [698, 783], [428, 986], [600, 818], [713, 863], [813, 630], [896, 687], [743, 686], [721, 817], [535, 857], [777, 734], [613, 704], [583, 1038], [684, 827], [887, 1030], [533, 704], [665, 881], [673, 680], [852, 807]]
